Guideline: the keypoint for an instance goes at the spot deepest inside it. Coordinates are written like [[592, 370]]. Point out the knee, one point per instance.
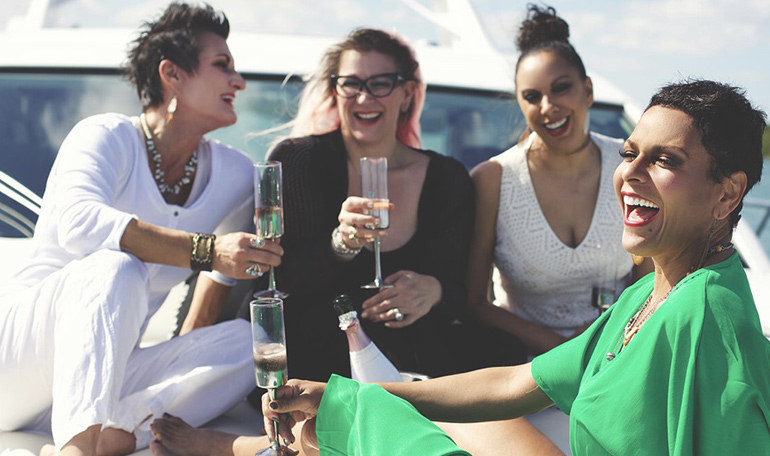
[[119, 266]]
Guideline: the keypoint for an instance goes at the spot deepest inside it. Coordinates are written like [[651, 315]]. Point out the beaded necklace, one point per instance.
[[646, 311], [158, 173]]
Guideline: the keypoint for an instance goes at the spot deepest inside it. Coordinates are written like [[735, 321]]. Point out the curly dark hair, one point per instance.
[[174, 36], [543, 30], [731, 128]]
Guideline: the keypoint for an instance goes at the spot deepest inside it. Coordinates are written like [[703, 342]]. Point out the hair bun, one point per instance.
[[541, 25]]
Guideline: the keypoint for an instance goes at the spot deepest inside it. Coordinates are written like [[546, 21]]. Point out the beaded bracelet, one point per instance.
[[202, 253], [340, 248]]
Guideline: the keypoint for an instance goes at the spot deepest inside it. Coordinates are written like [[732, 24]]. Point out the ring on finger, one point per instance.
[[397, 315], [256, 242], [255, 270], [353, 235]]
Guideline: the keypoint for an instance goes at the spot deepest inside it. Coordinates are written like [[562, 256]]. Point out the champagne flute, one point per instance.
[[604, 289], [374, 185], [268, 212], [269, 344]]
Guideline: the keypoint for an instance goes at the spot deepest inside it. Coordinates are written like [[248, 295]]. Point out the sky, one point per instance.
[[642, 44], [639, 45]]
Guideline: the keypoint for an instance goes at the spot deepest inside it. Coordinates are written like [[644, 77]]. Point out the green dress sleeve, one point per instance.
[[360, 419]]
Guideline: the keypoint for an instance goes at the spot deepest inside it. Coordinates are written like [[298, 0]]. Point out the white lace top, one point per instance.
[[536, 276]]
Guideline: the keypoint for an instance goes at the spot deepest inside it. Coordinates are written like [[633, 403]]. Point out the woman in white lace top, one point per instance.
[[548, 226]]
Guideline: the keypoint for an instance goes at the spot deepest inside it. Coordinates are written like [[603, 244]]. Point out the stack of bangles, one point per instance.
[[341, 249]]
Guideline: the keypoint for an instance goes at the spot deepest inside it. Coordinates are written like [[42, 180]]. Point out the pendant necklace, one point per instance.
[[158, 173], [646, 310], [635, 323]]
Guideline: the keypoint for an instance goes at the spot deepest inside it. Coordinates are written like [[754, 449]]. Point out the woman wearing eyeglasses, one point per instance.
[[365, 100]]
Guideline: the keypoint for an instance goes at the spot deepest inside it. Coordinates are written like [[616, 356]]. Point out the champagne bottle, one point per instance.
[[367, 363]]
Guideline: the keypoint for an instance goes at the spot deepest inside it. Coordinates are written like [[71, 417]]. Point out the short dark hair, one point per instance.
[[174, 36], [731, 128], [543, 30]]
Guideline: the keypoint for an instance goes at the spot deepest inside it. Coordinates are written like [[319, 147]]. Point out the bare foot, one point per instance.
[[175, 437], [48, 450]]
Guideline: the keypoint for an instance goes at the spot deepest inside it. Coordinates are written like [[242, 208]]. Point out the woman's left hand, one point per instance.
[[412, 296]]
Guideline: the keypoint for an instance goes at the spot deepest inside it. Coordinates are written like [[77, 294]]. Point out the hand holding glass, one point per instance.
[[268, 212], [374, 185]]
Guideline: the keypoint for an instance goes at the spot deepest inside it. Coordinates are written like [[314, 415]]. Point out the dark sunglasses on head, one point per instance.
[[379, 85]]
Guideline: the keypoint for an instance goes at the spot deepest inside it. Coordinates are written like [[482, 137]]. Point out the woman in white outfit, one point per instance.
[[126, 214], [548, 227]]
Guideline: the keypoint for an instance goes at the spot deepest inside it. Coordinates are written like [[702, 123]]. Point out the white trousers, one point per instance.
[[69, 357]]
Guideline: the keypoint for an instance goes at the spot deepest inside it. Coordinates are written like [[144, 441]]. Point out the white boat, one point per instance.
[[52, 77]]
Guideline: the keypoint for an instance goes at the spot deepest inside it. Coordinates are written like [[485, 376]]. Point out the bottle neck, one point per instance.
[[357, 338]]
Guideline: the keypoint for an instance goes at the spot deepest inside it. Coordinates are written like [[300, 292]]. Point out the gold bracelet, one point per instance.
[[340, 248], [202, 254]]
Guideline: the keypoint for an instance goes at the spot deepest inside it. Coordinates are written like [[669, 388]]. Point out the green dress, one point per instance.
[[695, 379], [361, 419]]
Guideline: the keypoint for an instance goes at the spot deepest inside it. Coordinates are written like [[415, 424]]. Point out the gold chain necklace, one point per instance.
[[645, 311], [635, 323]]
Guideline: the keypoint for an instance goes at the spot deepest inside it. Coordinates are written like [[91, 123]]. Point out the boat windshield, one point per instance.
[[42, 106]]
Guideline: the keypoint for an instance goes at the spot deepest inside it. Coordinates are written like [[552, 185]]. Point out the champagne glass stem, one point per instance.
[[271, 279], [377, 267], [276, 442]]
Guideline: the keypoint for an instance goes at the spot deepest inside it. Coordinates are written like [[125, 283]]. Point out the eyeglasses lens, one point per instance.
[[378, 86]]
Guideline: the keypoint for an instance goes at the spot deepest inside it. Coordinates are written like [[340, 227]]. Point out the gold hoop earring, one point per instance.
[[171, 110]]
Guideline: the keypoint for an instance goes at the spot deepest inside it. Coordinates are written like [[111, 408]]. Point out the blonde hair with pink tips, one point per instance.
[[317, 113]]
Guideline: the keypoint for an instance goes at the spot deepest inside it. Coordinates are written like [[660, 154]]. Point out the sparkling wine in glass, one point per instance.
[[268, 212], [374, 185], [269, 345], [603, 291]]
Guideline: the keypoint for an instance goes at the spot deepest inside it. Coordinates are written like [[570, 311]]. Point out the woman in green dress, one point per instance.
[[679, 365]]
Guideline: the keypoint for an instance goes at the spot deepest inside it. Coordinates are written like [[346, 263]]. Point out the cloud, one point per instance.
[[695, 27]]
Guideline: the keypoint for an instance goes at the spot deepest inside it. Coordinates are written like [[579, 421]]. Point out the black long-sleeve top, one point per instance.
[[315, 185]]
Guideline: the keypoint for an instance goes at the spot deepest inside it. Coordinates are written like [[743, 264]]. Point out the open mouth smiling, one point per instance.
[[639, 211], [368, 116], [557, 128]]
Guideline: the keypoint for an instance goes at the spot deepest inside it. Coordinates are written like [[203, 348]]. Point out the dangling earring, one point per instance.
[[171, 109], [587, 123], [704, 256]]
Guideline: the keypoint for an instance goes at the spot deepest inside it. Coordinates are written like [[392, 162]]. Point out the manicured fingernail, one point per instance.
[[370, 204], [377, 221], [273, 405]]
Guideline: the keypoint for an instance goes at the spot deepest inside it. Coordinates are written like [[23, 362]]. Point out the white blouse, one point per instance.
[[536, 276], [101, 179]]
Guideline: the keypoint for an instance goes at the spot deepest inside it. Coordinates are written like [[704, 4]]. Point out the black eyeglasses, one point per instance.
[[379, 85]]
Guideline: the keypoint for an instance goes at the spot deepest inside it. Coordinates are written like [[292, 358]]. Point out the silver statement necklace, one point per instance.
[[158, 173]]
